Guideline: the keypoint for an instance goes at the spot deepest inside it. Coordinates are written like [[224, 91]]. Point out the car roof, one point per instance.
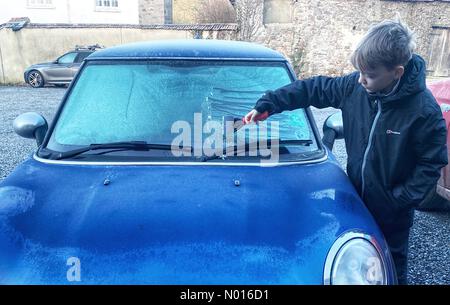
[[192, 48], [440, 90]]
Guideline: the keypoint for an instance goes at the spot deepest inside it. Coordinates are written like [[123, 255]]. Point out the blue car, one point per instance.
[[146, 175]]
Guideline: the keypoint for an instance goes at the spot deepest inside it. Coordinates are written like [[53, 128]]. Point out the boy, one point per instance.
[[394, 132]]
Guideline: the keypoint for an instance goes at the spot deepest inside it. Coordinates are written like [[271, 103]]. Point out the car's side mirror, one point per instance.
[[31, 125], [333, 129]]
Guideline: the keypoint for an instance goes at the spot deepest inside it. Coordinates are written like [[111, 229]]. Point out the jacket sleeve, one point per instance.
[[319, 91], [430, 150]]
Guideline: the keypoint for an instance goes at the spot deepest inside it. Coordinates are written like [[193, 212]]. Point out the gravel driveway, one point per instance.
[[430, 238]]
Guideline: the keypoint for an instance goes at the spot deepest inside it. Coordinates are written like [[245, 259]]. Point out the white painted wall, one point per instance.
[[70, 11]]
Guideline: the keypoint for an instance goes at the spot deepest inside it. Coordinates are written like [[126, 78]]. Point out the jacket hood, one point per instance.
[[413, 80]]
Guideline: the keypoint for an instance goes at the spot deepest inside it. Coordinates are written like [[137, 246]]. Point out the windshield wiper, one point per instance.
[[235, 147], [131, 145]]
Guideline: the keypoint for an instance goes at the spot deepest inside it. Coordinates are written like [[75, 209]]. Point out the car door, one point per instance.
[[62, 69]]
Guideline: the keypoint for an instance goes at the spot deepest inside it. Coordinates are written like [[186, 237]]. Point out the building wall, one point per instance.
[[71, 11], [85, 11], [184, 11], [151, 11], [57, 13], [319, 40], [323, 33]]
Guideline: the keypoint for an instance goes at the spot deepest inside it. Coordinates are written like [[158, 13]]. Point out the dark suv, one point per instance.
[[61, 71]]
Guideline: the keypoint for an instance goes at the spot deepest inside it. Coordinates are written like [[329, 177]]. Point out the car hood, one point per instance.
[[41, 65], [174, 224]]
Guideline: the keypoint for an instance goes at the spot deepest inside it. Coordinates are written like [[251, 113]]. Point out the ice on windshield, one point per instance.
[[126, 102]]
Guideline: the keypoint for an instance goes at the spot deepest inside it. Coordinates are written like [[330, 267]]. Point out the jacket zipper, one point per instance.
[[369, 145]]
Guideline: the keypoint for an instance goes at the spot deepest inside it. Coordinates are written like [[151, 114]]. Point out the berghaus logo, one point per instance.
[[392, 132]]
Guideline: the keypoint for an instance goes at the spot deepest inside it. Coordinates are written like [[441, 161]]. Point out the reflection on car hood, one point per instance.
[[174, 224]]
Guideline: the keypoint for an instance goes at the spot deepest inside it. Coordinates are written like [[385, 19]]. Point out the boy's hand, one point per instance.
[[255, 116]]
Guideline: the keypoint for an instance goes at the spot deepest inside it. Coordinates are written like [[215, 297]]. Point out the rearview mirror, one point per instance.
[[31, 125], [333, 129]]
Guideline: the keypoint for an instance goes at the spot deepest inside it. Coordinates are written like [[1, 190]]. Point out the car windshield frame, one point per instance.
[[316, 154]]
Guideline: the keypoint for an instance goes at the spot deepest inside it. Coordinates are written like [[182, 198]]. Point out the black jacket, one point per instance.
[[396, 145]]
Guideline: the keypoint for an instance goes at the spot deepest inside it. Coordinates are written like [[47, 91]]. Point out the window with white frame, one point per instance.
[[40, 4], [107, 5]]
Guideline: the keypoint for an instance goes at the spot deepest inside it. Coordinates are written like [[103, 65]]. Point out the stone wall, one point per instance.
[[184, 11], [322, 34], [151, 11]]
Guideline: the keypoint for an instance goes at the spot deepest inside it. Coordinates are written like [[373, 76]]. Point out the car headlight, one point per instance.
[[355, 260]]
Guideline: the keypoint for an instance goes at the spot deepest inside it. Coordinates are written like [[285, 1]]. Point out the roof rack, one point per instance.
[[90, 47], [16, 24]]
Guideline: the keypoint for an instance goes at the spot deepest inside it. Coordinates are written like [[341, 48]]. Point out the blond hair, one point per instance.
[[389, 43]]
